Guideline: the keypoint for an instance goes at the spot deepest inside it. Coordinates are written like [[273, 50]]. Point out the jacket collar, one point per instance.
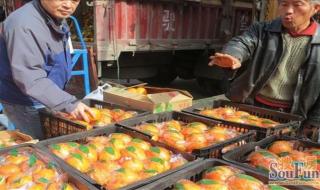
[[276, 26], [60, 27]]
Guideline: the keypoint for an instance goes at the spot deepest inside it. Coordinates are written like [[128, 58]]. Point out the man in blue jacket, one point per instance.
[[278, 62], [36, 64]]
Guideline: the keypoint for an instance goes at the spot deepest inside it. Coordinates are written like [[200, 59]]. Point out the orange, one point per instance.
[[120, 178], [211, 113], [109, 153], [141, 90], [198, 125], [150, 129], [132, 90], [279, 147], [160, 152], [79, 162], [173, 124], [174, 139], [63, 150], [104, 120], [157, 164], [44, 176], [116, 114], [16, 159], [99, 139], [196, 141], [88, 152], [267, 123], [134, 153], [100, 172], [186, 131], [121, 136], [244, 182], [38, 186], [117, 143], [177, 162], [262, 159], [140, 144], [18, 180], [96, 114], [133, 164], [9, 169], [219, 173]]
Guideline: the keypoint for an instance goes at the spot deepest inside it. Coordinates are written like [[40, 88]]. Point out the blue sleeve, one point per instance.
[[27, 58]]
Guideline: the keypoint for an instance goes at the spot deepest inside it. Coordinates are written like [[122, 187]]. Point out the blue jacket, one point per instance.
[[35, 59]]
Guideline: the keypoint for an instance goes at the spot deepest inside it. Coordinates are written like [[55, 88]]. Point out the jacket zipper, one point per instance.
[[297, 91]]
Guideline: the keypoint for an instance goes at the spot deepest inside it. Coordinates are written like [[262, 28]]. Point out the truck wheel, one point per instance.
[[212, 87], [165, 75]]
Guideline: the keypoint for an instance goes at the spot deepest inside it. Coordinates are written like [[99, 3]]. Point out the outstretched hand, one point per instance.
[[225, 61]]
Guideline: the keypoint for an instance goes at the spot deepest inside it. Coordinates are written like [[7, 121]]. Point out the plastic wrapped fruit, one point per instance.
[[262, 159], [281, 147], [231, 114], [220, 173], [244, 182]]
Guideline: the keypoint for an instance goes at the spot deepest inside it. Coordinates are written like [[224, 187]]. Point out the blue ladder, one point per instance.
[[5, 121], [81, 53]]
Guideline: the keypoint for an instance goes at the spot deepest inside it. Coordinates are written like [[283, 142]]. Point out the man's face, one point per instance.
[[60, 9], [296, 14]]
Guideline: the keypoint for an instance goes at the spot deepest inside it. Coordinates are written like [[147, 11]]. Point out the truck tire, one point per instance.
[[212, 87], [165, 75]]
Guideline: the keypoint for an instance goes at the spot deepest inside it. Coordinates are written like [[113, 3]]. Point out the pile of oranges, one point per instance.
[[225, 178], [24, 169], [233, 115], [187, 136], [117, 160], [284, 154], [102, 117]]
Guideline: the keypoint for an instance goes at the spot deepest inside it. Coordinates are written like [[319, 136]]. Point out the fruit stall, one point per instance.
[[149, 138], [211, 144]]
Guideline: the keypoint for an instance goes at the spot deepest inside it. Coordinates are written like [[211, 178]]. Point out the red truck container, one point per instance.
[[158, 40]]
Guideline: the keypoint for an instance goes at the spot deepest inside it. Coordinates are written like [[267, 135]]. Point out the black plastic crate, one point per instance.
[[310, 132], [55, 125], [212, 151], [195, 172], [289, 123], [239, 156], [81, 138], [72, 177]]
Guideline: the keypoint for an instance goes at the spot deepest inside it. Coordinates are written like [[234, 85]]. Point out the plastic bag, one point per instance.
[[98, 93]]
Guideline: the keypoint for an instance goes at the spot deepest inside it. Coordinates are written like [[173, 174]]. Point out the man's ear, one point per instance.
[[316, 8]]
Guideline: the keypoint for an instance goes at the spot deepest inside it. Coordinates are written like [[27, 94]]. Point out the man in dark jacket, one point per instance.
[[36, 64], [277, 63]]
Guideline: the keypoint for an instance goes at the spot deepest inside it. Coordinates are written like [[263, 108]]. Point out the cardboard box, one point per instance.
[[157, 100]]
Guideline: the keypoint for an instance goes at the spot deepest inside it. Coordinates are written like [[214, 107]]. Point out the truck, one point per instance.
[[157, 41]]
